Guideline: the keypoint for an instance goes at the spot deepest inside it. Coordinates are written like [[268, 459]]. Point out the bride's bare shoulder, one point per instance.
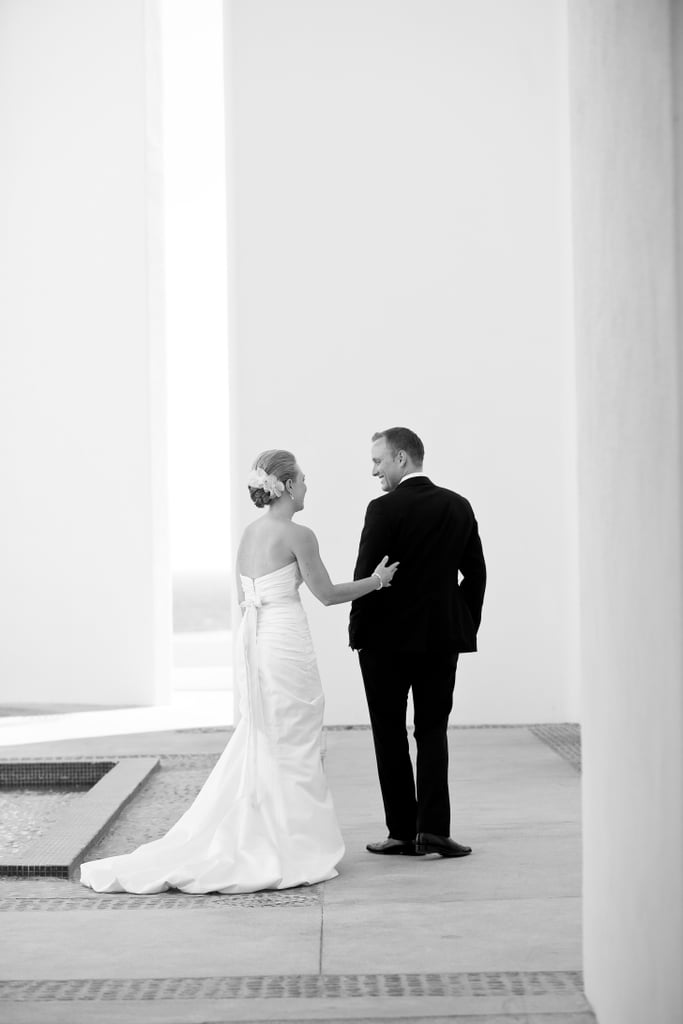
[[301, 536], [248, 532], [299, 528]]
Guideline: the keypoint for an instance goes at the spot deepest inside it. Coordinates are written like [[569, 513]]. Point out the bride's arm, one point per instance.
[[317, 578]]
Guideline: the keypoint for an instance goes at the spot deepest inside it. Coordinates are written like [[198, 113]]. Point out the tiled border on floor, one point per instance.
[[562, 737], [71, 774], [301, 986], [57, 852], [172, 900], [200, 759]]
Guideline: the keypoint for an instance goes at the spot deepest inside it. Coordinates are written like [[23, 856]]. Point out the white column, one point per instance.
[[630, 511], [84, 590], [399, 236]]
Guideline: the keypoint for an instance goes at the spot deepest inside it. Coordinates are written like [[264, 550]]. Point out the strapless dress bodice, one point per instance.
[[278, 587]]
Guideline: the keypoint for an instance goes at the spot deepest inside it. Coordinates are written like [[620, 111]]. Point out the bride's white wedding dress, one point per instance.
[[264, 818]]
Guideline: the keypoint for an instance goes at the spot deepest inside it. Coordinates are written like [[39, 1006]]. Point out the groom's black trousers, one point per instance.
[[388, 677]]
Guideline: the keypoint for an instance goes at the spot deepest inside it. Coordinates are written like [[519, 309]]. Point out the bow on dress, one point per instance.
[[251, 782]]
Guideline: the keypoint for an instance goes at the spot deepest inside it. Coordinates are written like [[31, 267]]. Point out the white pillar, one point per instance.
[[630, 511], [399, 240], [84, 590]]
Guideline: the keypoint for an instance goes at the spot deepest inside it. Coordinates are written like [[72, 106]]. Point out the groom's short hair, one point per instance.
[[403, 439]]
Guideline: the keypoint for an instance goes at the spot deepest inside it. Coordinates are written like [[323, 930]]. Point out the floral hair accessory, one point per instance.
[[259, 479]]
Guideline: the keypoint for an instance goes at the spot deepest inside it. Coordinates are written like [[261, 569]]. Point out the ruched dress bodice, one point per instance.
[[280, 587], [264, 818], [274, 637]]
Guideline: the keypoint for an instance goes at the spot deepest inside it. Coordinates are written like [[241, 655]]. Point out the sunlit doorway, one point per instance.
[[197, 350]]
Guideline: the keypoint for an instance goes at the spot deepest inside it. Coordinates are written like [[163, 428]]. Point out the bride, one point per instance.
[[264, 818]]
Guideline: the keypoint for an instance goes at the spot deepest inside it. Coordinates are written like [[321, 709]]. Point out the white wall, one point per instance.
[[83, 587], [400, 255], [630, 510]]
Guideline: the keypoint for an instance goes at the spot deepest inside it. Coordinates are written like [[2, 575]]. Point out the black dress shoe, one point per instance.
[[425, 842], [391, 847]]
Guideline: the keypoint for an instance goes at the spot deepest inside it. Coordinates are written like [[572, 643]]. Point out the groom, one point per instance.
[[410, 637]]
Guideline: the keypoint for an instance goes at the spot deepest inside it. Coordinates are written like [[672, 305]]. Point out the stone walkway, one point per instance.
[[494, 937]]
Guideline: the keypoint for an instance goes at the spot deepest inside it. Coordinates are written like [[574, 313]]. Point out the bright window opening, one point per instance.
[[196, 332]]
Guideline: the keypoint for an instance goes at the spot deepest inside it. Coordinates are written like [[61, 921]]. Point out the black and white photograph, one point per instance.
[[341, 511]]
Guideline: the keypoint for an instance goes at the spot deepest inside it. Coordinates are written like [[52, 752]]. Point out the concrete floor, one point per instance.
[[494, 937]]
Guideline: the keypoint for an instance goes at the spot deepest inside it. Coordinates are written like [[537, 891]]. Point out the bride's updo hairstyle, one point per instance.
[[270, 472]]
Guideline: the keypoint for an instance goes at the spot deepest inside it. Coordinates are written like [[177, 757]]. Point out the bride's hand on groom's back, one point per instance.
[[386, 572]]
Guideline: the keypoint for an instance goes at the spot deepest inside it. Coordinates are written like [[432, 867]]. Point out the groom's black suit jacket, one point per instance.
[[432, 532]]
